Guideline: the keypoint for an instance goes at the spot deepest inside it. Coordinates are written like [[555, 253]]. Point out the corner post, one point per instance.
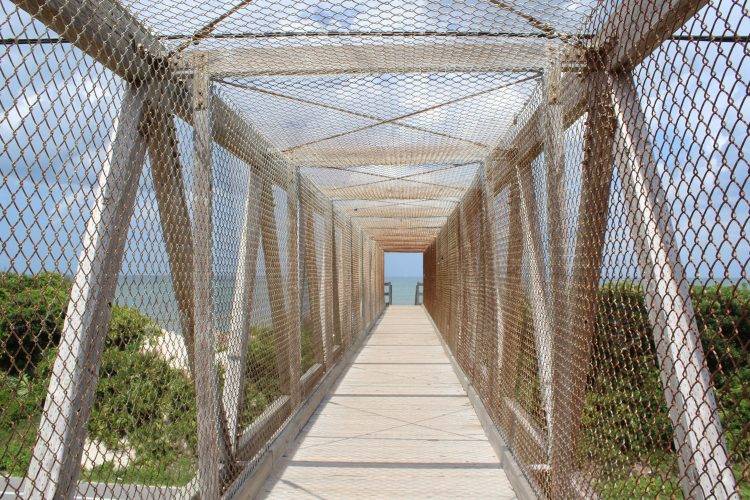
[[206, 388]]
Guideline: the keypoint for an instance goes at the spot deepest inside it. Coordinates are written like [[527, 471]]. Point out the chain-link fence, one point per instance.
[[196, 198], [593, 282], [171, 290]]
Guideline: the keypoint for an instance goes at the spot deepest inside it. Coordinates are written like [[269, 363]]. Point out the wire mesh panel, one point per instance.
[[622, 256], [197, 197], [153, 244]]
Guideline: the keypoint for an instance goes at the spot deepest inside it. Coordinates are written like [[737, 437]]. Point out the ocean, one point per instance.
[[154, 297], [403, 289]]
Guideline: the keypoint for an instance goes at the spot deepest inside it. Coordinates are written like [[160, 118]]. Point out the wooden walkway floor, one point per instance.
[[398, 425]]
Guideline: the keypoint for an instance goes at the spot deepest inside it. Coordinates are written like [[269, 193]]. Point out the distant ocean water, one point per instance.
[[154, 296], [403, 289]]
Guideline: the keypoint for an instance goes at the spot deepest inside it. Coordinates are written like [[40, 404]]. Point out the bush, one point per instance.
[[626, 423], [32, 314], [140, 402], [32, 309], [261, 375], [143, 402], [128, 328]]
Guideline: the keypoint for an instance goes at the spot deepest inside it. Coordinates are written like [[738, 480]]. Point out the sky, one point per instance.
[[694, 94], [403, 265]]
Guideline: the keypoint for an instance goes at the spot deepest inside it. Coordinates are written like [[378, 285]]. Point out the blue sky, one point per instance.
[[403, 265], [695, 95]]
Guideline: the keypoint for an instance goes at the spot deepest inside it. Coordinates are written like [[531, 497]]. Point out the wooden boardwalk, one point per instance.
[[398, 425]]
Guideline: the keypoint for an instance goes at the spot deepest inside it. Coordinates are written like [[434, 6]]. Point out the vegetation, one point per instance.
[[143, 407], [146, 407], [261, 375], [627, 430]]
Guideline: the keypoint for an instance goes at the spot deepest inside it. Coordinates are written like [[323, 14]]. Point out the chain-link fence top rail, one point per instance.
[[196, 198]]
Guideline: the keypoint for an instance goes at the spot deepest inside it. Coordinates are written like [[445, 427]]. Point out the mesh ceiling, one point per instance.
[[388, 108]]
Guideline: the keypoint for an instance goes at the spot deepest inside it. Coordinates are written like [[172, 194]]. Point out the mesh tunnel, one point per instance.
[[197, 197]]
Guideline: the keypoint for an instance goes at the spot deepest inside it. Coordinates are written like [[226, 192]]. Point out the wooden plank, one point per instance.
[[702, 453], [524, 420], [429, 438], [56, 458], [397, 55], [320, 155], [406, 209], [242, 309], [206, 382], [635, 29], [387, 191]]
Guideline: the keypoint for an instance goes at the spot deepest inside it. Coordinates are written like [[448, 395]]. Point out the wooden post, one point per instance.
[[336, 281], [206, 387], [328, 287], [242, 310], [593, 213], [560, 333], [702, 453], [56, 459]]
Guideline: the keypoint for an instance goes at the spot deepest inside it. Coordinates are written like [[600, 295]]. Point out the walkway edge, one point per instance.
[[521, 486], [249, 484]]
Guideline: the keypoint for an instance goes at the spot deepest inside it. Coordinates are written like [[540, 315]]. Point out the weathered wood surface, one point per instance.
[[591, 225], [399, 425], [55, 463], [702, 453], [492, 55], [206, 386]]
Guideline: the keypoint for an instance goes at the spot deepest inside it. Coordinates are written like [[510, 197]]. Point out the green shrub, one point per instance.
[[32, 309], [141, 399], [261, 375], [626, 424], [140, 402], [128, 328]]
